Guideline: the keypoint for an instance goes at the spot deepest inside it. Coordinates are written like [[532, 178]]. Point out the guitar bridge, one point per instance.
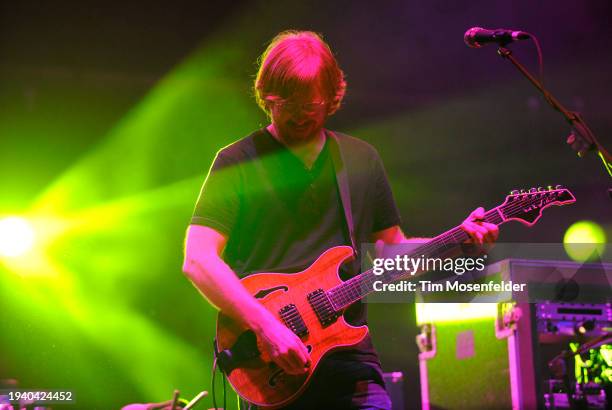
[[322, 306], [293, 320]]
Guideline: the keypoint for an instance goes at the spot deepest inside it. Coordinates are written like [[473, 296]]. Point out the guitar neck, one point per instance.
[[361, 285]]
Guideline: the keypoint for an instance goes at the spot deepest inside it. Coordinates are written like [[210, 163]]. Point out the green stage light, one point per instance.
[[584, 241], [16, 236], [454, 312], [110, 229]]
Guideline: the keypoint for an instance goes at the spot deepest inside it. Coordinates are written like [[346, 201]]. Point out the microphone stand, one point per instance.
[[582, 138]]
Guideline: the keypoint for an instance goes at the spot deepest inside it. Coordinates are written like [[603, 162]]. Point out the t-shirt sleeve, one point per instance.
[[386, 214], [218, 203]]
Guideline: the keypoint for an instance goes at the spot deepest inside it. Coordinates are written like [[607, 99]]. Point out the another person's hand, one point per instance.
[[284, 347], [482, 234]]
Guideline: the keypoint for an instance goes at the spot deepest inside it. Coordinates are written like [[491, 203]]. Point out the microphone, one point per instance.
[[476, 37]]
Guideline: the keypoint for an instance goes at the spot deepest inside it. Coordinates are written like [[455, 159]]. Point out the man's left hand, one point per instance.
[[482, 234]]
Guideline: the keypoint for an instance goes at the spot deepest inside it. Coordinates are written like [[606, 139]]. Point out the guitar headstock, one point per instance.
[[527, 206]]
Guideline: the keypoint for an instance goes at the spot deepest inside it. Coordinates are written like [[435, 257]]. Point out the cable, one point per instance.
[[213, 389], [607, 165], [214, 372], [224, 392], [604, 156], [545, 92]]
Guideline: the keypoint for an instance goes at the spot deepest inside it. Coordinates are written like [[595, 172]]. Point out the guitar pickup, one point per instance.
[[293, 320], [322, 306]]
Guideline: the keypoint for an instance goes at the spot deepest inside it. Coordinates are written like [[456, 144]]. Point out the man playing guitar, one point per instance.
[[273, 202]]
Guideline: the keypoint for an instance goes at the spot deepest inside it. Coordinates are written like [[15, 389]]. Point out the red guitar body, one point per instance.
[[260, 381]]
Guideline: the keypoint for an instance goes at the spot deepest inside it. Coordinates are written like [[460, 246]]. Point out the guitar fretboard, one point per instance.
[[361, 285]]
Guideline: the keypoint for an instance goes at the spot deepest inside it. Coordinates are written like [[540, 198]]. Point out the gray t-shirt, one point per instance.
[[279, 216]]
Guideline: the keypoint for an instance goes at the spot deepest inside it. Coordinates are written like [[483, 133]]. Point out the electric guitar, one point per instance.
[[311, 303]]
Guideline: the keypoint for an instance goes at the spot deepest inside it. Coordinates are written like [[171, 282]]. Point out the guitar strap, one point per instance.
[[343, 187]]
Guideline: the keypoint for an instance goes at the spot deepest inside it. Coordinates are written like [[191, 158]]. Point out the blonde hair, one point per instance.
[[295, 61]]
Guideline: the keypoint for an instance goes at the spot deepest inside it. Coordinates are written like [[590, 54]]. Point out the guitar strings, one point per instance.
[[349, 293]]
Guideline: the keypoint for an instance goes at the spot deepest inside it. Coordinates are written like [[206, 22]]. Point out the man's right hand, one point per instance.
[[284, 347], [214, 278]]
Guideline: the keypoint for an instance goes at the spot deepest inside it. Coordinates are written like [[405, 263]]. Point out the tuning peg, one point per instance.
[[514, 192], [558, 186], [533, 190], [523, 191], [540, 189], [549, 187]]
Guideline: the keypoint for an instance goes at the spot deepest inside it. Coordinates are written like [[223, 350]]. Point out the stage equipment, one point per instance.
[[394, 382], [581, 138], [175, 403], [520, 357]]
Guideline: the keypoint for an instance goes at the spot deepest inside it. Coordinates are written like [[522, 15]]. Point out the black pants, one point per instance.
[[342, 384]]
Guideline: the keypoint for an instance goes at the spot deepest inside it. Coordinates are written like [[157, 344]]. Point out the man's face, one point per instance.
[[299, 119]]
